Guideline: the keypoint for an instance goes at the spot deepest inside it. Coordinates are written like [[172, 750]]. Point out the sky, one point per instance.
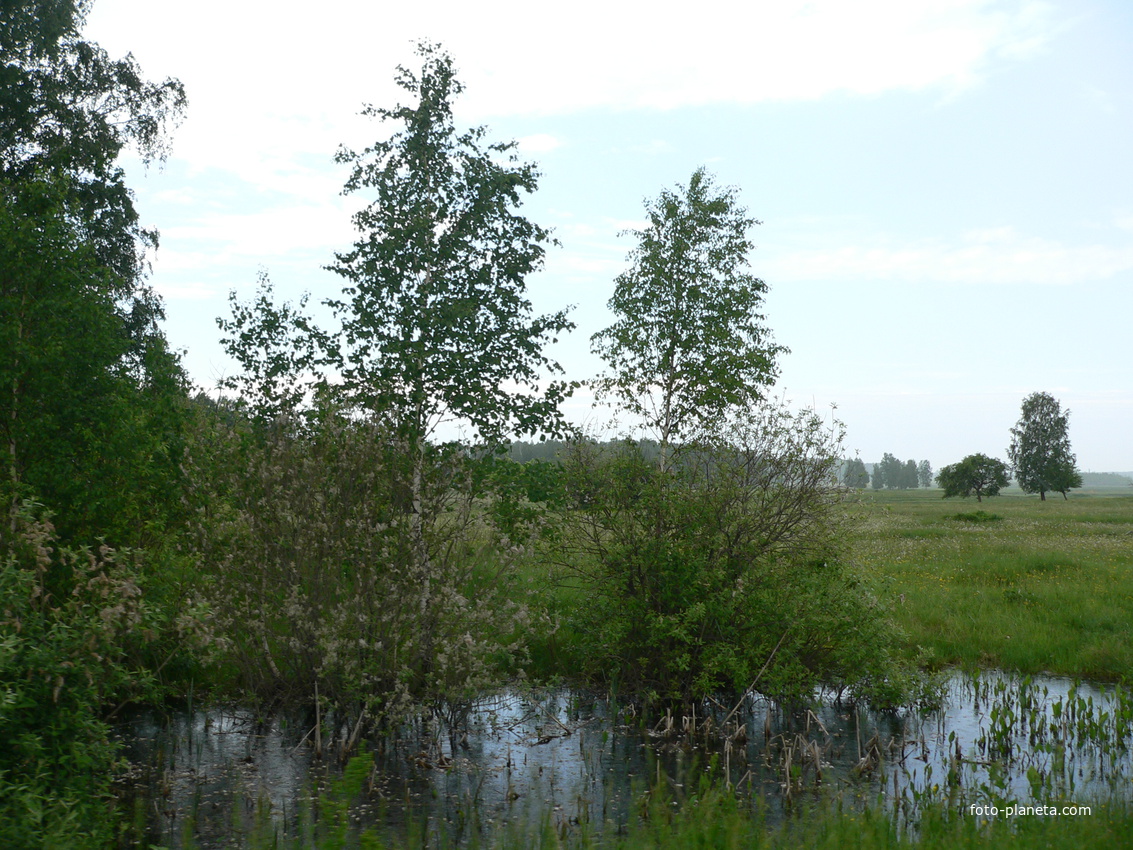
[[944, 187]]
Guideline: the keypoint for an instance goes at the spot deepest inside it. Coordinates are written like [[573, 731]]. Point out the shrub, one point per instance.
[[76, 631], [310, 538], [976, 516], [698, 577]]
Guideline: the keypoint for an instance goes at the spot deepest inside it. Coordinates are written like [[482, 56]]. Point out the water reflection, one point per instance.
[[563, 757]]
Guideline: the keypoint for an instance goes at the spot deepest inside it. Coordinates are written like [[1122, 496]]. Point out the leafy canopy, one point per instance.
[[436, 324], [688, 343], [855, 474], [67, 110], [978, 474], [1040, 448], [88, 406]]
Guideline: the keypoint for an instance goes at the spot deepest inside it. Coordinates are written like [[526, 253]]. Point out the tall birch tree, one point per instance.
[[688, 342], [436, 323], [1040, 448]]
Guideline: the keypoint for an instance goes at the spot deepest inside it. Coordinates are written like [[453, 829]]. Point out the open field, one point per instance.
[[1011, 582]]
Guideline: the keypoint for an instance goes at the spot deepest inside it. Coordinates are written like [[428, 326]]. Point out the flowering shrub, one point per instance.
[[310, 539]]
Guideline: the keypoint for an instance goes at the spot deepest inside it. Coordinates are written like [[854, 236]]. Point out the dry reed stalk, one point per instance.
[[758, 676]]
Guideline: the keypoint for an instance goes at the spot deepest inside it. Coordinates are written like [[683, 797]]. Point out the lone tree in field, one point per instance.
[[1040, 448], [688, 343], [978, 474], [436, 325]]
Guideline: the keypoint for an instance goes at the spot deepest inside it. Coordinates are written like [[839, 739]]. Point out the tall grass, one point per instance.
[[1026, 585]]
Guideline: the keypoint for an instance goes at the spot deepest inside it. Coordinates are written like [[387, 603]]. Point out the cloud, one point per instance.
[[1100, 99], [266, 233], [989, 256], [538, 143], [266, 76], [590, 267], [275, 89]]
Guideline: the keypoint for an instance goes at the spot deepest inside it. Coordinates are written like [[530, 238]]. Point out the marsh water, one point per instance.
[[521, 760]]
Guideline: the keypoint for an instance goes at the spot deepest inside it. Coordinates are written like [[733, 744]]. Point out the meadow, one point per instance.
[[1012, 582]]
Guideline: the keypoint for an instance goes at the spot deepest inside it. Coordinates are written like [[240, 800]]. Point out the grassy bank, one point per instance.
[[1012, 582]]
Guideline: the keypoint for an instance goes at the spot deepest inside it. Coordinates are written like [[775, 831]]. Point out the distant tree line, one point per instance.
[[553, 451], [889, 474]]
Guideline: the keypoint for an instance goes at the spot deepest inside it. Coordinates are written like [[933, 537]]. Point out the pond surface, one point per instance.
[[213, 777]]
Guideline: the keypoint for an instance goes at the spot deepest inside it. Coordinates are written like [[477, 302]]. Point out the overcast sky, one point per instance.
[[945, 186]]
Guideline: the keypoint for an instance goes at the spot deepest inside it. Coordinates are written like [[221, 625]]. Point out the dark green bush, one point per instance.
[[976, 516], [722, 569], [74, 626]]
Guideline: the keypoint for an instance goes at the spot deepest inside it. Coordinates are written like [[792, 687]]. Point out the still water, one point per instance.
[[205, 779]]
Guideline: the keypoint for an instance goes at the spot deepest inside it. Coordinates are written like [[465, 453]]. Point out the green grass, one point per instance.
[[720, 819], [1041, 587], [1011, 582]]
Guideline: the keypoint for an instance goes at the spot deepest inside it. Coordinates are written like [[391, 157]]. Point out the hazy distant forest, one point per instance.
[[293, 538]]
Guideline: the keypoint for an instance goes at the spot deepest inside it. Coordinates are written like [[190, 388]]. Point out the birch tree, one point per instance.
[[688, 343], [1040, 448], [436, 323]]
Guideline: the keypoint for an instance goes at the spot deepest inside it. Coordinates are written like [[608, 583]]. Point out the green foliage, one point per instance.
[[978, 474], [88, 409], [909, 475], [309, 536], [91, 415], [697, 576], [91, 407], [352, 554], [718, 561], [435, 322], [924, 473], [888, 471], [519, 495], [1040, 448], [76, 631], [66, 112], [688, 344], [855, 474], [275, 347], [892, 474]]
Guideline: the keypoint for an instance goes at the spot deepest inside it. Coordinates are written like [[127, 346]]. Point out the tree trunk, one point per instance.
[[416, 518], [666, 430]]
